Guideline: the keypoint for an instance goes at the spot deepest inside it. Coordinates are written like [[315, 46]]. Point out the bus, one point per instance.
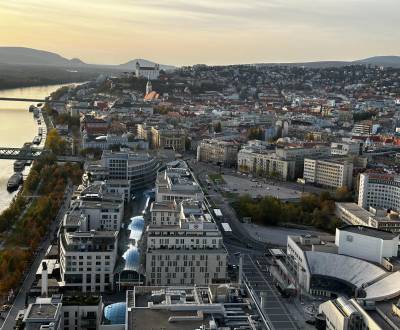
[[218, 213], [226, 228]]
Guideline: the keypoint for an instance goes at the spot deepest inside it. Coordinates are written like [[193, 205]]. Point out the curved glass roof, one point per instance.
[[115, 313], [132, 258], [136, 228]]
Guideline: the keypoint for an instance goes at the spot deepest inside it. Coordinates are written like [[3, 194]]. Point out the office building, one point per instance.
[[333, 173], [140, 169]]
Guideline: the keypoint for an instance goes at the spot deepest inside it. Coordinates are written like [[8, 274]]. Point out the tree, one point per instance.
[[343, 194], [55, 142], [218, 127]]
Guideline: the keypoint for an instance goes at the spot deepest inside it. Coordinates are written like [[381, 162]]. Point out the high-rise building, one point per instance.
[[184, 244], [335, 173]]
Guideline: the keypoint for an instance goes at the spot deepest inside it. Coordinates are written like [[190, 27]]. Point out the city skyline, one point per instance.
[[181, 33]]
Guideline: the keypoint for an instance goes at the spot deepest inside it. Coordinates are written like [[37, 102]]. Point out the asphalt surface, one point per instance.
[[259, 281], [19, 301]]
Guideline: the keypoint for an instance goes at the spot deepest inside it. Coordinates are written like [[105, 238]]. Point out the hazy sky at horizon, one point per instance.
[[183, 32]]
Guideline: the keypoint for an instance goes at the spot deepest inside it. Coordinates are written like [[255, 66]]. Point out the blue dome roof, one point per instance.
[[115, 313], [132, 258], [136, 227]]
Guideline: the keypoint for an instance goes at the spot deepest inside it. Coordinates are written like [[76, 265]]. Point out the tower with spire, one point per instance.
[[149, 87]]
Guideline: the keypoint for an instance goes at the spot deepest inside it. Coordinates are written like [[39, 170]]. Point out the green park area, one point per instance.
[[312, 210]]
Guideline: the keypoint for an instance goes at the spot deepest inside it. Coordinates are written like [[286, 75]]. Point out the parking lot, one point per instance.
[[255, 188]]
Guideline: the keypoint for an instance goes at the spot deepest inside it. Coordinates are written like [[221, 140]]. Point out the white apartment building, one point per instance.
[[380, 191], [184, 244], [346, 148], [218, 151], [362, 128], [332, 173], [100, 210], [188, 251], [87, 260], [107, 141]]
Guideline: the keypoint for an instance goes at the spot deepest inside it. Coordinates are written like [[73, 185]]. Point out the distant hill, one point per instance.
[[386, 61], [29, 56]]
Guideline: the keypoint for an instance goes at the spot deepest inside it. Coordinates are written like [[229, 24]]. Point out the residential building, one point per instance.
[[87, 260], [380, 191], [262, 162], [346, 148], [334, 173], [362, 128], [184, 244], [218, 151]]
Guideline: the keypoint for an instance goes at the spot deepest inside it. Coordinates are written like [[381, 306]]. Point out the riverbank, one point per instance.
[[17, 127]]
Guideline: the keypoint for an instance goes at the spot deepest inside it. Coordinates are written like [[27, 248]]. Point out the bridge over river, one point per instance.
[[34, 153], [18, 99]]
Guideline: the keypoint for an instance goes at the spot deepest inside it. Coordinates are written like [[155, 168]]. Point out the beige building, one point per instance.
[[218, 151], [332, 173], [168, 139], [184, 244], [264, 163], [353, 214], [344, 314]]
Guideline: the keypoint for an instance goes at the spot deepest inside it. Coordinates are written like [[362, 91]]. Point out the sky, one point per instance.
[[184, 32]]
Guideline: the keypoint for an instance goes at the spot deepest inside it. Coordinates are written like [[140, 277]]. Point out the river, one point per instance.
[[17, 126]]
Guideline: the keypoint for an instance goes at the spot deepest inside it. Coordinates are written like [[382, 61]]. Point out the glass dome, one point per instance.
[[136, 227], [115, 313], [132, 258]]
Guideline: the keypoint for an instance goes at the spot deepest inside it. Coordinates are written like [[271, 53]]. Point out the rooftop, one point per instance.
[[369, 231]]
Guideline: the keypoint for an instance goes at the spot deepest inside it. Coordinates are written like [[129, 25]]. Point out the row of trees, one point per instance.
[[311, 210], [26, 228]]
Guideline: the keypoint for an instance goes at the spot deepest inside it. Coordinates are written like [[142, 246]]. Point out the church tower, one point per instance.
[[137, 69], [149, 87]]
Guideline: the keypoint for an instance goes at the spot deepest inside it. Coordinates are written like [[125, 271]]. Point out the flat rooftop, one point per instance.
[[369, 231]]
